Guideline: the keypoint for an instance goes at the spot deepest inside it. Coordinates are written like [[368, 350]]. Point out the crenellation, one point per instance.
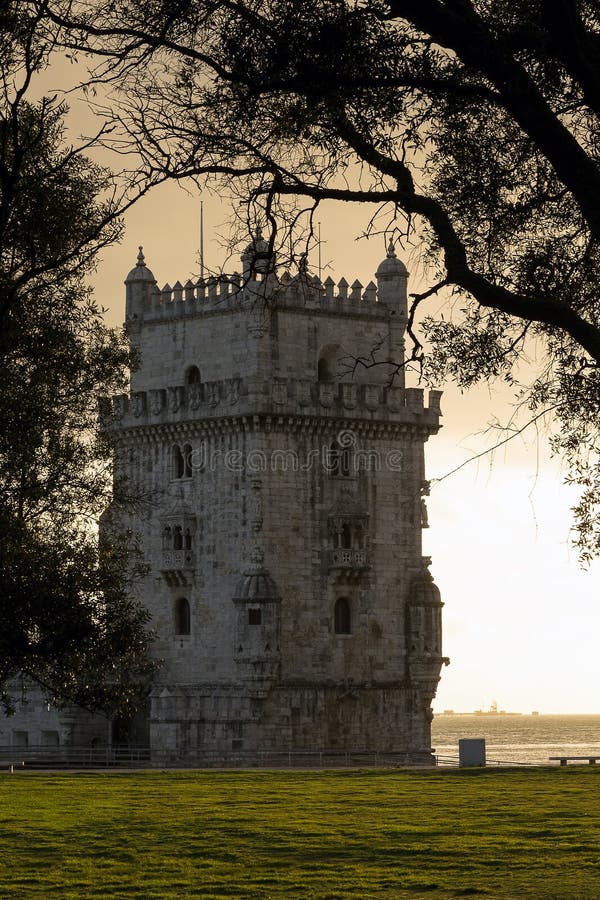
[[217, 294], [370, 294], [248, 395], [189, 291], [356, 291], [178, 293], [165, 297]]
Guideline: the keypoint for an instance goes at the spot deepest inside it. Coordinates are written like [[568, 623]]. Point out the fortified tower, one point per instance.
[[281, 505]]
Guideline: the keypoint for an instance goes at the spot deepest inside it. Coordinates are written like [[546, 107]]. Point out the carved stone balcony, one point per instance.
[[176, 565], [178, 560], [348, 559]]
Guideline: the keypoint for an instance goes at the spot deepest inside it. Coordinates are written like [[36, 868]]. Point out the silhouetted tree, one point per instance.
[[67, 621], [469, 126]]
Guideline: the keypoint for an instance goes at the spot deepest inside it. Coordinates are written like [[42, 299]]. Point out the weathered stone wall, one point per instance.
[[38, 724]]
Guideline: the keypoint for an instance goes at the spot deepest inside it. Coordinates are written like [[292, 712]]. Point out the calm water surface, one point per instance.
[[525, 739]]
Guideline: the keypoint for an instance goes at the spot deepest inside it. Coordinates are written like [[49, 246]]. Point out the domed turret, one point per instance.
[[424, 624], [391, 266], [256, 584], [258, 625], [424, 591], [256, 258], [140, 271], [257, 587], [137, 288], [392, 278]]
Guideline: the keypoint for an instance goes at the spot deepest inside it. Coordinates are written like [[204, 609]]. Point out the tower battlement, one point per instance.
[[246, 396], [145, 300]]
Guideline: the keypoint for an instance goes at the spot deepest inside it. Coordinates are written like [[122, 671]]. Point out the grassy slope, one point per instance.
[[311, 835]]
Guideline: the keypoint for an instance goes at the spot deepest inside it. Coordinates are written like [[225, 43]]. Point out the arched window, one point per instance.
[[192, 376], [333, 460], [178, 538], [346, 537], [323, 370], [342, 617], [177, 462], [187, 541], [328, 362], [254, 616], [187, 461], [359, 537], [167, 538], [182, 616], [345, 462]]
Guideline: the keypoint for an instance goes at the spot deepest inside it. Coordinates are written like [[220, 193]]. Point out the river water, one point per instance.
[[519, 739]]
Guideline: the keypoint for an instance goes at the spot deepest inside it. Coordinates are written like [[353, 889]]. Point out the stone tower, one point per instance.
[[281, 505]]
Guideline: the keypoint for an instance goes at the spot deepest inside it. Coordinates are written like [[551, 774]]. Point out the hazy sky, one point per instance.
[[521, 620]]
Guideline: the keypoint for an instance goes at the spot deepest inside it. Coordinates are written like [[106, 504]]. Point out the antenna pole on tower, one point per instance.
[[202, 239], [319, 246]]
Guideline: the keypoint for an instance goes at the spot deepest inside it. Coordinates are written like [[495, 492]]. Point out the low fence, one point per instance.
[[140, 757], [299, 759], [454, 761], [446, 760], [73, 757]]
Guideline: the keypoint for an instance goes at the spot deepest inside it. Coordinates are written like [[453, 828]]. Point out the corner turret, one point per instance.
[[258, 622], [257, 258], [138, 286], [392, 278], [424, 625]]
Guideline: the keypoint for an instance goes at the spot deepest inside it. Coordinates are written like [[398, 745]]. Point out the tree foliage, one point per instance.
[[67, 621], [470, 126]]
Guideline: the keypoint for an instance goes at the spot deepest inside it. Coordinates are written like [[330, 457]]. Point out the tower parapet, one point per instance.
[[247, 396], [259, 282]]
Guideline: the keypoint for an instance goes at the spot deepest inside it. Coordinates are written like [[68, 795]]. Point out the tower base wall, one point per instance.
[[196, 724]]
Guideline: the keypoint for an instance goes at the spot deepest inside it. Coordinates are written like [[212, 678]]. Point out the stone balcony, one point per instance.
[[348, 559], [178, 560]]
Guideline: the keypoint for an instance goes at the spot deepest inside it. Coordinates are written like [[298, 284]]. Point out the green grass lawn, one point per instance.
[[323, 835]]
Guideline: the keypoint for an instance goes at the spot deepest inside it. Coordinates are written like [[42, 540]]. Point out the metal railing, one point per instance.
[[296, 759], [41, 757], [117, 756], [132, 757], [453, 761]]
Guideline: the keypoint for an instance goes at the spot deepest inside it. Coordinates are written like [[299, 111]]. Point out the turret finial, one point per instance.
[[391, 252], [140, 260]]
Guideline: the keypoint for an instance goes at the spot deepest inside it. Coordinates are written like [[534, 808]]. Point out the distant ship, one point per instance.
[[494, 711]]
